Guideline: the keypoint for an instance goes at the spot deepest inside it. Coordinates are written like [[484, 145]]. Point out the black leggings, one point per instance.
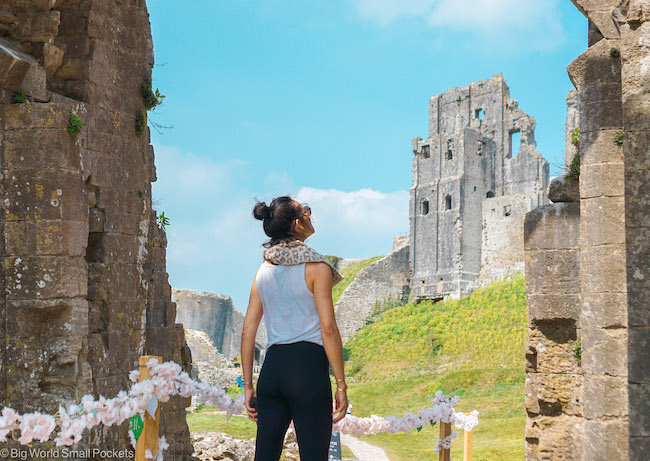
[[294, 384]]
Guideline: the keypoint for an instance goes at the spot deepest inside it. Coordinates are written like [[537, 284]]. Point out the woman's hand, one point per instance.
[[249, 393], [341, 405]]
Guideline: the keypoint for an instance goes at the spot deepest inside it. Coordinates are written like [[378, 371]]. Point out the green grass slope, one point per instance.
[[473, 347]]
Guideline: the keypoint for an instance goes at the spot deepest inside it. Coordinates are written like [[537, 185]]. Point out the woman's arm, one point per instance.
[[251, 322], [330, 333]]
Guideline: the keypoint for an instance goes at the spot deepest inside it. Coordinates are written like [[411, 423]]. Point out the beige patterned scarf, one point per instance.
[[298, 252]]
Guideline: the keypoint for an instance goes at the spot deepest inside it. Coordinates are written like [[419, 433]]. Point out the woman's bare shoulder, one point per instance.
[[317, 268]]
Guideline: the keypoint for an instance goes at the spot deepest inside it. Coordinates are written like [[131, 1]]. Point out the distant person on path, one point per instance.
[[293, 290]]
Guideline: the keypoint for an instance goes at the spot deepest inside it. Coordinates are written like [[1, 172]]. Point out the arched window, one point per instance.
[[489, 194], [448, 202], [425, 152]]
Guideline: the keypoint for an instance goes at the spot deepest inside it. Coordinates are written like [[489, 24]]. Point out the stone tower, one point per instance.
[[469, 158]]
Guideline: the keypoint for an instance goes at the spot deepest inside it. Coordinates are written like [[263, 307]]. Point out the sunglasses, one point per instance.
[[307, 210]]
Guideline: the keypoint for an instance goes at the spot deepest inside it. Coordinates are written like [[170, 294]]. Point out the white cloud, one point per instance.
[[214, 243], [508, 23]]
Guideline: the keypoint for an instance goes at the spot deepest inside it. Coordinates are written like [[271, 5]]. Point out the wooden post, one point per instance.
[[149, 437], [467, 455], [445, 431]]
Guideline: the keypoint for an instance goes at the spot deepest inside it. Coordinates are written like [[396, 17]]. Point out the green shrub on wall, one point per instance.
[[74, 124]]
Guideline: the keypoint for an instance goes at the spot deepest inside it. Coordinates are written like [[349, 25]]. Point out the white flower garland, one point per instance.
[[168, 379]]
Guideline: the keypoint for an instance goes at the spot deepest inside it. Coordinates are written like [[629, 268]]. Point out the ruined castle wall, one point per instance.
[[215, 314], [502, 245], [633, 21], [385, 279], [467, 158], [85, 289], [603, 321], [553, 374], [614, 249]]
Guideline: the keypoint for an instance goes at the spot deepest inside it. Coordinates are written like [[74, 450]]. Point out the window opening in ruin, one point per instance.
[[515, 142], [424, 207], [506, 210], [449, 154], [480, 148], [474, 188], [425, 152], [479, 114], [490, 194], [448, 202]]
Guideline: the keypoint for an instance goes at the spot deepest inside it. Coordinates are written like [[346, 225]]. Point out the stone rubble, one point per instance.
[[215, 446]]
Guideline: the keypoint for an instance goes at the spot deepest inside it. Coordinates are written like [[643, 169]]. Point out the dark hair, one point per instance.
[[278, 218]]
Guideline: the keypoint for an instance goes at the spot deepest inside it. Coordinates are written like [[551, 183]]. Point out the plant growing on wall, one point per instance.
[[140, 123], [19, 97], [573, 173], [162, 220], [575, 136], [577, 351], [614, 52], [618, 138], [74, 124], [150, 98]]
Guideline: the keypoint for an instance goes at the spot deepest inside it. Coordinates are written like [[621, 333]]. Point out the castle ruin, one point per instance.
[[472, 185], [588, 254], [85, 291]]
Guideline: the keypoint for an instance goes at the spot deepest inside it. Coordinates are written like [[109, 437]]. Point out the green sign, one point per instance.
[[136, 426]]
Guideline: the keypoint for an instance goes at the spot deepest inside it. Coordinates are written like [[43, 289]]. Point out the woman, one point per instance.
[[293, 289]]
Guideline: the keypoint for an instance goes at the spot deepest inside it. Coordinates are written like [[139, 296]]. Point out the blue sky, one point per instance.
[[320, 100]]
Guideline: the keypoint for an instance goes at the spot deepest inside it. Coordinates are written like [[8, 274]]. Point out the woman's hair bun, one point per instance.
[[261, 211]]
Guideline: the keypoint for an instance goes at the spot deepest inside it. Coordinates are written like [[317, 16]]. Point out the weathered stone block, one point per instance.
[[604, 351], [556, 394], [46, 237], [639, 409], [45, 277], [595, 65], [125, 223], [41, 148], [605, 440], [606, 266], [553, 344], [638, 356], [37, 27], [553, 438], [604, 310], [602, 220], [13, 67], [550, 307], [35, 115], [563, 190], [600, 147], [600, 179], [606, 396], [554, 272], [554, 226], [637, 202]]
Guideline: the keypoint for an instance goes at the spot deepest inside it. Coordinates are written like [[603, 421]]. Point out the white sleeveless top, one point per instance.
[[289, 308]]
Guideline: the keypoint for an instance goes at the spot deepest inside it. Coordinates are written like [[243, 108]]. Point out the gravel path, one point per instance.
[[362, 450]]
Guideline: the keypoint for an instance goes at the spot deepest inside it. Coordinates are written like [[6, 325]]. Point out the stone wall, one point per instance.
[[84, 282], [385, 279], [468, 157], [502, 243], [610, 235], [215, 314]]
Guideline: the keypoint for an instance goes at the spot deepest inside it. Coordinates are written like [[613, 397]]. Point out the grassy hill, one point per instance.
[[473, 347]]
